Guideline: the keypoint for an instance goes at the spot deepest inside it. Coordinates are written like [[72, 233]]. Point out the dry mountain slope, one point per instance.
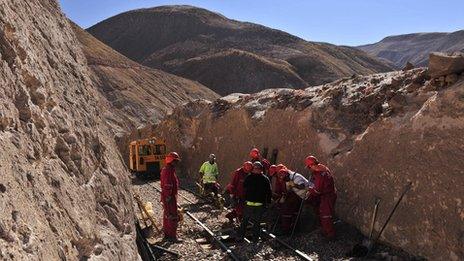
[[226, 55], [64, 191], [415, 48], [139, 95]]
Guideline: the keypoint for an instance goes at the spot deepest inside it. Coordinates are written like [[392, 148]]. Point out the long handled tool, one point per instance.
[[364, 249], [406, 189], [369, 243], [147, 231], [278, 216], [144, 210], [374, 217], [165, 250], [297, 218]]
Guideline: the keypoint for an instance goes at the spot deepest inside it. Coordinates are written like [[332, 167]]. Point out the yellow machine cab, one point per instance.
[[146, 157]]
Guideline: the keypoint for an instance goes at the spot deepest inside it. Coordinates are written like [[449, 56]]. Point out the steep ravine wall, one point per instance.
[[377, 133], [64, 191]]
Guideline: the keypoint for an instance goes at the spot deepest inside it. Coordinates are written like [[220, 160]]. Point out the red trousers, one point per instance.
[[324, 206], [237, 212], [170, 218], [289, 211]]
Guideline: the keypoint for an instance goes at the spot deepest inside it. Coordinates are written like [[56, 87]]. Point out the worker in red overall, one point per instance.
[[255, 156], [237, 191], [169, 186], [323, 195], [291, 201]]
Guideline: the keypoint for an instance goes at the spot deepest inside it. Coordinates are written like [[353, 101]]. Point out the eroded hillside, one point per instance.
[[376, 132], [64, 191], [415, 48], [139, 95], [227, 55]]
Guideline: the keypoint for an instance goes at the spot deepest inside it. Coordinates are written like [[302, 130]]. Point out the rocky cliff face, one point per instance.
[[377, 133], [64, 192], [226, 55], [415, 48]]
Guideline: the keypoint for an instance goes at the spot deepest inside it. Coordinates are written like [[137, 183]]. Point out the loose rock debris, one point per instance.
[[196, 246]]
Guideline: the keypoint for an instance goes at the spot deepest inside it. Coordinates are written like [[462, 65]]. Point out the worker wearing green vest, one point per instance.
[[209, 171]]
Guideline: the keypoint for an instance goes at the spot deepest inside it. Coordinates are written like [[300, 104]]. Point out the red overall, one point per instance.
[[169, 186], [236, 189], [323, 197], [289, 208]]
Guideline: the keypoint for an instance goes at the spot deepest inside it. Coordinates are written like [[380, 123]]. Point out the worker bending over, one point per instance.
[[209, 172], [295, 190], [322, 195], [237, 191], [169, 187], [257, 197]]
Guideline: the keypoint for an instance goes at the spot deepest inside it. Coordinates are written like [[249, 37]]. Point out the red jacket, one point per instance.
[[236, 185], [323, 181], [279, 188], [169, 182]]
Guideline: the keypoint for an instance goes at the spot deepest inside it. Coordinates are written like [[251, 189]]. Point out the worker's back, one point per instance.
[[257, 188]]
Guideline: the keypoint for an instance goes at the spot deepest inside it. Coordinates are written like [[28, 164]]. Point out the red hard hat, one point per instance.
[[254, 153], [172, 156], [247, 166], [282, 173], [310, 161], [281, 166], [272, 170]]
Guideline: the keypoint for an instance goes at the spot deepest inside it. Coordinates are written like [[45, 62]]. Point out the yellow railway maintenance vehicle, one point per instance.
[[146, 157]]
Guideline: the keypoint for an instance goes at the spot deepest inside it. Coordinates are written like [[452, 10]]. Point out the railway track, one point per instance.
[[210, 233], [295, 251]]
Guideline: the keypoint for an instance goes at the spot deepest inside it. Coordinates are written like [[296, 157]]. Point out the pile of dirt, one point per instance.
[[139, 95], [415, 48], [202, 45], [376, 132], [64, 191]]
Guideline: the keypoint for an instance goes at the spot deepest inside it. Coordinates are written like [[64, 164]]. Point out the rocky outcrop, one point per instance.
[[64, 191], [376, 132], [446, 69], [415, 48], [441, 64], [227, 55]]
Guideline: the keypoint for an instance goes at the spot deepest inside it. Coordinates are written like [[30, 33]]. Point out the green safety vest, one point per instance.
[[209, 171], [254, 204]]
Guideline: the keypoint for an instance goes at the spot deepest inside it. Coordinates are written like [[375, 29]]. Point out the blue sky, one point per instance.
[[343, 22]]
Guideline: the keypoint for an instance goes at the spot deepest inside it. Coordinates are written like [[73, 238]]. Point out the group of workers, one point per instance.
[[255, 187]]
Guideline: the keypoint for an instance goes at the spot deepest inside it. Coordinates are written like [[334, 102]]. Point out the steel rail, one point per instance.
[[297, 252], [226, 249]]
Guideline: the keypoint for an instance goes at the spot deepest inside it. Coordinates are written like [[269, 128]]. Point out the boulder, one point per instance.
[[441, 64], [408, 66]]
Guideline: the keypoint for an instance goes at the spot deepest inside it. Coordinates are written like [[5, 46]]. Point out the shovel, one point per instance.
[[297, 217], [368, 243], [366, 248], [148, 230]]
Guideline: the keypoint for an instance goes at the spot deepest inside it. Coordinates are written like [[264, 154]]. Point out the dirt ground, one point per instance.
[[308, 238]]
